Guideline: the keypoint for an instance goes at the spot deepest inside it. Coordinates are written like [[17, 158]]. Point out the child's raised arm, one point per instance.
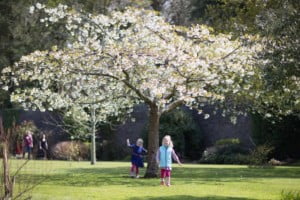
[[128, 142]]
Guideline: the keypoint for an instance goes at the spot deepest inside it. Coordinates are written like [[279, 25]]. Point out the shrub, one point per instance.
[[228, 141], [232, 149], [71, 150], [260, 155], [283, 135], [273, 161], [228, 151], [226, 159], [239, 159], [289, 195]]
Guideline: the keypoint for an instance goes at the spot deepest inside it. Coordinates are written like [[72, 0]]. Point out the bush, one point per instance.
[[226, 151], [228, 141], [239, 159], [289, 195], [273, 161], [232, 149], [283, 135], [260, 155], [71, 150]]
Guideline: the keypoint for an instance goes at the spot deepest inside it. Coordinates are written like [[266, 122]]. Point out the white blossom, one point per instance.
[[31, 9], [206, 116], [5, 87], [132, 57]]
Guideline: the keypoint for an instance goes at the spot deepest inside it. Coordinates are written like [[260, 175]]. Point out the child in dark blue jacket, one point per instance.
[[136, 157]]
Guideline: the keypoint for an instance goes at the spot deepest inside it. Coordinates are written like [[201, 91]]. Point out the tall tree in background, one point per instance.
[[178, 12], [280, 24]]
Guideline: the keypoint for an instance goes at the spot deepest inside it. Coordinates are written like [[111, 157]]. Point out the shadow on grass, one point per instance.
[[118, 176], [237, 172], [83, 177], [188, 197], [223, 175]]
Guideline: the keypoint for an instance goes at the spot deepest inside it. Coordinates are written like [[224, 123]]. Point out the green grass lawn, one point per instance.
[[109, 180]]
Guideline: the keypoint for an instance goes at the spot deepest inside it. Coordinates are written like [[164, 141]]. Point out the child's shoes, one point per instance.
[[162, 183], [132, 174]]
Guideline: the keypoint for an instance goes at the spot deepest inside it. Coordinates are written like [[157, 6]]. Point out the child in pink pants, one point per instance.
[[164, 157]]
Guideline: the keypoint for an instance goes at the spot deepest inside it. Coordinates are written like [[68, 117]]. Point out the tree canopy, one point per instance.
[[132, 57]]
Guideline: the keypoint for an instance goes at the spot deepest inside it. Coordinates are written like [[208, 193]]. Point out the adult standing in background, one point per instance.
[[43, 145], [28, 144]]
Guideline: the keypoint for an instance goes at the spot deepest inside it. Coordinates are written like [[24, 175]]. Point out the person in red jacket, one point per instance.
[[28, 144]]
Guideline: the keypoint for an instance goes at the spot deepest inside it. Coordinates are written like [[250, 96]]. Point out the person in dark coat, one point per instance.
[[43, 146], [136, 157]]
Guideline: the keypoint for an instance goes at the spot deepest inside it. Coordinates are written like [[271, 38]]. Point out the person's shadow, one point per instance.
[[189, 197]]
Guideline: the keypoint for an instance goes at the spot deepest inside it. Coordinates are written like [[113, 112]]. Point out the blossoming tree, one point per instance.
[[80, 97], [135, 57]]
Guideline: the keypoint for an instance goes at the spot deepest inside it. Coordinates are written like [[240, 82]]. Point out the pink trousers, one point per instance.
[[165, 173]]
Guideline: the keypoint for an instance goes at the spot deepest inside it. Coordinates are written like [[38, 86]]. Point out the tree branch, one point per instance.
[[172, 106], [61, 124], [138, 92], [19, 169], [171, 94], [226, 56]]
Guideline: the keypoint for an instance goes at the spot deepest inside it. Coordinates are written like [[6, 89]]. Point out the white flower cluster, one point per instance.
[[134, 56]]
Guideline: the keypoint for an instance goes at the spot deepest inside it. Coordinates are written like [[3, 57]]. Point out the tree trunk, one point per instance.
[[6, 175], [156, 5], [93, 142], [7, 184], [153, 142]]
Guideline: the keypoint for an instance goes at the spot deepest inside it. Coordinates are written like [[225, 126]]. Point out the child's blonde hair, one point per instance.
[[28, 132], [168, 137], [140, 141]]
